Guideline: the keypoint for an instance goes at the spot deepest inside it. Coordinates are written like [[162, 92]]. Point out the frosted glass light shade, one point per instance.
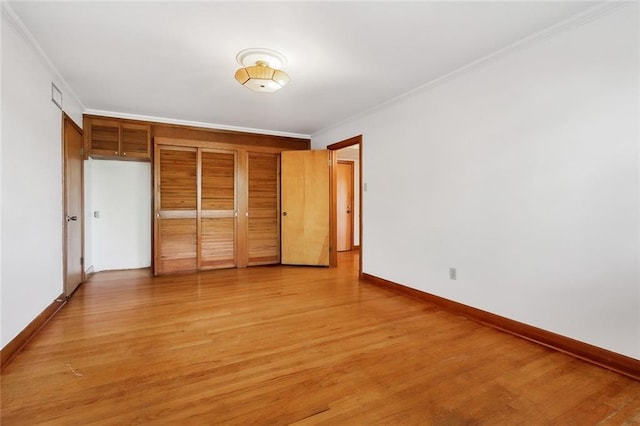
[[262, 78], [257, 73]]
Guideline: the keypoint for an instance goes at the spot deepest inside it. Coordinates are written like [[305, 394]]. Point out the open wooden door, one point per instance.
[[305, 197], [73, 208]]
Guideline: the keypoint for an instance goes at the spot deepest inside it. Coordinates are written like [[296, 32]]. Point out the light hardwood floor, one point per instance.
[[283, 345]]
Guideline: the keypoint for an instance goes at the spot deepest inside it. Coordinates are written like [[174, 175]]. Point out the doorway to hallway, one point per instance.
[[347, 151]]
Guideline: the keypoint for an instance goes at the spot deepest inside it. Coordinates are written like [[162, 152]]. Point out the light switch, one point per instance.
[[96, 214]]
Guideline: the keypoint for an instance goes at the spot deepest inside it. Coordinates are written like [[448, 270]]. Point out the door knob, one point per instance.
[[284, 213], [70, 218]]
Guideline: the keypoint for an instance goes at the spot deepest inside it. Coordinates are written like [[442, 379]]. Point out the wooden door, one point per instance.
[[344, 205], [305, 207], [263, 214], [176, 206], [217, 212], [73, 207]]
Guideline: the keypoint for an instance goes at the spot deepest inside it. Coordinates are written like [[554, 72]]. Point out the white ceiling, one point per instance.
[[177, 59]]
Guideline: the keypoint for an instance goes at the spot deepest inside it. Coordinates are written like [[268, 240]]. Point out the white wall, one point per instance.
[[523, 173], [121, 192], [31, 183]]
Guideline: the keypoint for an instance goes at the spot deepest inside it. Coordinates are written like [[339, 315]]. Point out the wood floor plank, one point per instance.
[[291, 345]]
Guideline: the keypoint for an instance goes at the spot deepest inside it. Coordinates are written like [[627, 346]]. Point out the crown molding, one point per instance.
[[165, 120], [21, 29], [589, 15]]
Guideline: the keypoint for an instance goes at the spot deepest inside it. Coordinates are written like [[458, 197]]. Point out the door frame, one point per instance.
[[67, 120], [355, 140]]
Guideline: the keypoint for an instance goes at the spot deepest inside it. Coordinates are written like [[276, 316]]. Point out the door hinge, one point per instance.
[[82, 261], [81, 150]]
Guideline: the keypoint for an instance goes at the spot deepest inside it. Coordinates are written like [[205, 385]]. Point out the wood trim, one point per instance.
[[194, 143], [345, 143], [199, 209], [234, 138], [236, 155], [254, 140], [178, 214], [17, 344], [216, 214], [155, 212], [601, 357], [63, 153], [73, 123], [242, 209], [180, 147], [279, 208], [360, 208], [333, 213], [152, 204]]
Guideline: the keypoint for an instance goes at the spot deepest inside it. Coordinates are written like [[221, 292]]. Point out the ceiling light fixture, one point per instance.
[[260, 70]]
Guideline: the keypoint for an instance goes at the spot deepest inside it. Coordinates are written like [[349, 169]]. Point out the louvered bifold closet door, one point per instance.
[[263, 208], [176, 202], [218, 217]]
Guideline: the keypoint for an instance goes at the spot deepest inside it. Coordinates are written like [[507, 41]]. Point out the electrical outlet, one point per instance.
[[453, 274]]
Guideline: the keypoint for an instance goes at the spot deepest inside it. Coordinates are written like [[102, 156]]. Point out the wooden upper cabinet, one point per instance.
[[113, 138], [104, 137], [135, 140]]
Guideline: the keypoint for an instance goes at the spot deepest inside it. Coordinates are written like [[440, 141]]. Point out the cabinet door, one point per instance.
[[134, 140], [104, 137], [176, 206], [263, 208], [218, 209]]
